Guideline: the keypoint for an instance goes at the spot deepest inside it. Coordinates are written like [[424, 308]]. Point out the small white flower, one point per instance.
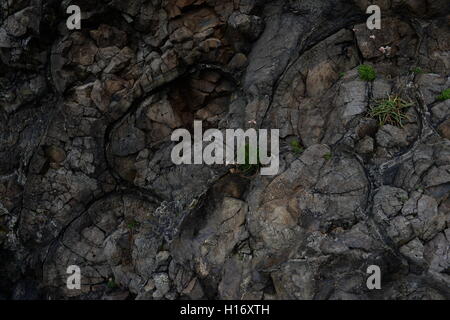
[[385, 50], [372, 37]]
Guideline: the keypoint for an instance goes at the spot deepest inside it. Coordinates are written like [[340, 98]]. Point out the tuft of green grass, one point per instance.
[[390, 111], [417, 70], [249, 168], [445, 95], [341, 75], [133, 224], [296, 147], [367, 73], [111, 283], [328, 156]]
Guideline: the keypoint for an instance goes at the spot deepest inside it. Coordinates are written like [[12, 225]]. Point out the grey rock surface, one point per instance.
[[86, 176]]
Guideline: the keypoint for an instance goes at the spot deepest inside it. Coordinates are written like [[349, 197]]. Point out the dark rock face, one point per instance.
[[86, 176]]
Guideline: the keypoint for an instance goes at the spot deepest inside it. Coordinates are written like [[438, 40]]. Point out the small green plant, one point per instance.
[[390, 111], [249, 168], [445, 95], [111, 284], [417, 70], [366, 72], [341, 75], [296, 147], [328, 156], [133, 224]]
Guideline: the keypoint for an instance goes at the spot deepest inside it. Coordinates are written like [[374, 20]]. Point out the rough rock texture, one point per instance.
[[86, 176]]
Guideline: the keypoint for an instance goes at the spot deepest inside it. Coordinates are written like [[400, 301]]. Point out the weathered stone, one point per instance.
[[127, 140], [444, 129], [365, 146], [397, 34], [162, 285], [238, 62], [249, 26], [56, 154], [119, 61], [389, 136], [86, 171], [84, 54], [107, 36]]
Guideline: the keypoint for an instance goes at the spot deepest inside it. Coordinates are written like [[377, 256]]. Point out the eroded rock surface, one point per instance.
[[86, 176]]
